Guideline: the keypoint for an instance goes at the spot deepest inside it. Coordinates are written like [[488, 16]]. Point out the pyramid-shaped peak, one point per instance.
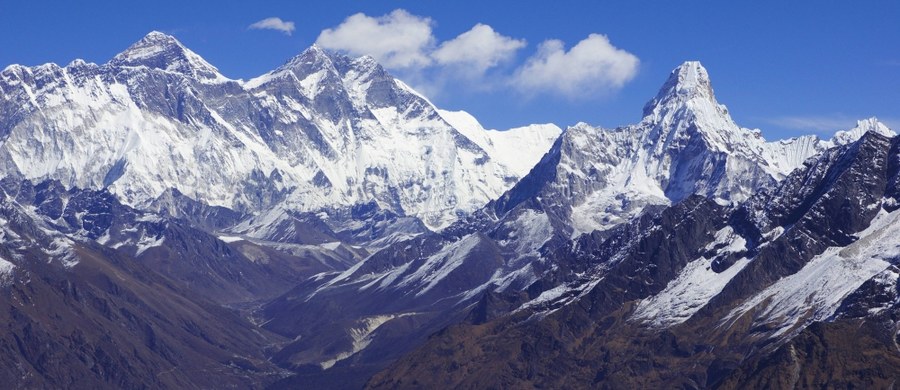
[[312, 60], [314, 55], [316, 51], [688, 81], [149, 46], [690, 71], [315, 48], [158, 50], [316, 58], [326, 64]]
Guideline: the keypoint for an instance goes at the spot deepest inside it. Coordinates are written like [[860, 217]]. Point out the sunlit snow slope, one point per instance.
[[321, 132]]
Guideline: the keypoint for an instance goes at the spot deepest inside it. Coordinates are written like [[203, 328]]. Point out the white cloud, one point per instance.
[[477, 50], [405, 44], [396, 40], [273, 23], [591, 66]]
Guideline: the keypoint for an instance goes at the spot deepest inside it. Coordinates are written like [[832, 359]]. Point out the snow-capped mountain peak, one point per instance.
[[322, 132], [862, 127], [686, 144], [687, 104], [313, 55], [157, 50], [687, 81], [310, 67]]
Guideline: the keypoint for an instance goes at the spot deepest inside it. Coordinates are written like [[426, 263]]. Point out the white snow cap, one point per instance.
[[862, 127], [162, 51], [687, 91], [687, 81]]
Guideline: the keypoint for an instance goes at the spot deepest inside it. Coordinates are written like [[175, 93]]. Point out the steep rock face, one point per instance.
[[78, 314], [522, 244], [856, 347], [834, 202], [553, 340], [322, 133], [372, 138], [236, 271], [759, 295], [160, 51], [686, 144], [679, 251], [135, 128], [284, 168]]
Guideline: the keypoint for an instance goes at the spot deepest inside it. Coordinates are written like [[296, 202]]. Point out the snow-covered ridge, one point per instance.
[[695, 285], [325, 132], [686, 144], [862, 127], [519, 148], [816, 291], [161, 51], [321, 132]]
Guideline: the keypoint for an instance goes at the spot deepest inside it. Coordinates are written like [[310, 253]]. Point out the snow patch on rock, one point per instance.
[[817, 290]]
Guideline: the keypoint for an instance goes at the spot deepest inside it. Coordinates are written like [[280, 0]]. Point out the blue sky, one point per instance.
[[789, 68]]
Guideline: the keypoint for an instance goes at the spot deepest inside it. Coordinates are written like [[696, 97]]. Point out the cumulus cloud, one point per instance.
[[591, 66], [403, 41], [477, 50], [274, 23], [405, 44], [396, 40]]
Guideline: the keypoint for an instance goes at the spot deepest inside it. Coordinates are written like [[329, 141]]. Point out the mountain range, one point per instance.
[[325, 225]]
